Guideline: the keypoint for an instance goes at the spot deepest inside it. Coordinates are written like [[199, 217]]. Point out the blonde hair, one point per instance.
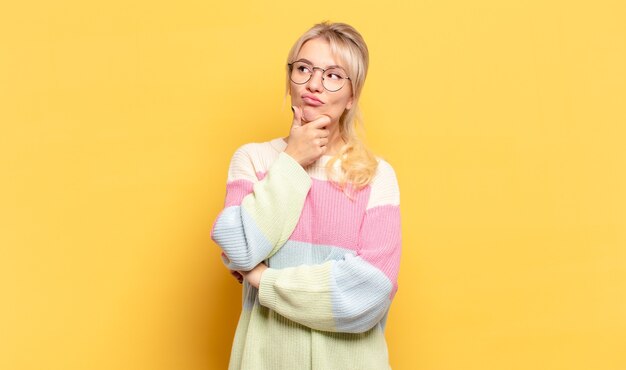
[[358, 163]]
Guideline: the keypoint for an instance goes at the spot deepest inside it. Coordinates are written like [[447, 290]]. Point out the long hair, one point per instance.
[[358, 163]]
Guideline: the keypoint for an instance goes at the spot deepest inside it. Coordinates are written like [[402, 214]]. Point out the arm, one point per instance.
[[259, 216], [348, 295]]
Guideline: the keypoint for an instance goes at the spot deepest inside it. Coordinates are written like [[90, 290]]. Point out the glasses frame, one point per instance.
[[313, 68]]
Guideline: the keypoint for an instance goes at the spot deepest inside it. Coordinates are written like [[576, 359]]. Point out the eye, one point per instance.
[[335, 76], [303, 68]]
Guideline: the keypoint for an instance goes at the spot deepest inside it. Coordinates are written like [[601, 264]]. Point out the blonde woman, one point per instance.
[[311, 223]]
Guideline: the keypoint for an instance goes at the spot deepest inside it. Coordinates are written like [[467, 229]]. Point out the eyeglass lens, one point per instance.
[[333, 79]]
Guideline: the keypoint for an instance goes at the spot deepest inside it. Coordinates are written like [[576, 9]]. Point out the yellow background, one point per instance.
[[504, 121]]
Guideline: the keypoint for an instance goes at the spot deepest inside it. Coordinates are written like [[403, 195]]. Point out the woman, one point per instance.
[[311, 223]]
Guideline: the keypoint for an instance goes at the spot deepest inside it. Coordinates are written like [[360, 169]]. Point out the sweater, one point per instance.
[[333, 262]]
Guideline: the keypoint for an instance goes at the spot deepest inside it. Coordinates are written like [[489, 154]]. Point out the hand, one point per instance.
[[237, 275], [253, 277], [307, 142]]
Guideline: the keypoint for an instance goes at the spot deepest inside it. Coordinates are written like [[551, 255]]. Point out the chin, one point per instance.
[[310, 113]]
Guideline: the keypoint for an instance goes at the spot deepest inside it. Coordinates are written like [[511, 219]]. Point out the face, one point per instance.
[[333, 104]]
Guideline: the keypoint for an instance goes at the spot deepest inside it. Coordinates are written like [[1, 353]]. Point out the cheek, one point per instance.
[[338, 106]]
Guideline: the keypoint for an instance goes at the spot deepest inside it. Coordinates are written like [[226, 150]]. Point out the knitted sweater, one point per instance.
[[333, 262]]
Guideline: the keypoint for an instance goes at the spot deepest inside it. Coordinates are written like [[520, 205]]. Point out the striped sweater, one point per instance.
[[333, 262]]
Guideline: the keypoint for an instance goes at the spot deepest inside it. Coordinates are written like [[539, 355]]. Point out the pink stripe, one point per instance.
[[329, 217], [381, 240], [236, 190]]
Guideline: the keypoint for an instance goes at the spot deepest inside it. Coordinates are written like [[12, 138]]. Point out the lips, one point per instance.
[[311, 100]]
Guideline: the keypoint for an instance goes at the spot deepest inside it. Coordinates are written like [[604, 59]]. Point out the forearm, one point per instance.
[[255, 229], [338, 296]]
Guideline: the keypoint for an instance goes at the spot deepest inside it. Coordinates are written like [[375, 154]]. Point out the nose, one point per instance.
[[315, 83]]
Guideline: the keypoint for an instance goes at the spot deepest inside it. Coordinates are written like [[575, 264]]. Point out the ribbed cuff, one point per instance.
[[267, 295], [293, 172]]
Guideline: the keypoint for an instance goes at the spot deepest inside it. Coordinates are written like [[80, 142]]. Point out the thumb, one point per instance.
[[297, 116]]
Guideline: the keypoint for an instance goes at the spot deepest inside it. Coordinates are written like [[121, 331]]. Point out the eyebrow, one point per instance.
[[311, 63]]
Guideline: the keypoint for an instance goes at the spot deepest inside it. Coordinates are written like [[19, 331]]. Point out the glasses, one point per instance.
[[333, 79]]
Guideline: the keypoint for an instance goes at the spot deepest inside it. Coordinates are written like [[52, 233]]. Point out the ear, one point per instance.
[[349, 105]]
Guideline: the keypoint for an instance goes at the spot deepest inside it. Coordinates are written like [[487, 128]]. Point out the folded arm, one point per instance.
[[259, 215], [348, 295], [354, 293]]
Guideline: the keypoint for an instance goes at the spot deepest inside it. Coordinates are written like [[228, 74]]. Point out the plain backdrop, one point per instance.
[[504, 121]]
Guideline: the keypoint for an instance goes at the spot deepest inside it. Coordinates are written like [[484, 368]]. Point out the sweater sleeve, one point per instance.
[[351, 294], [259, 215]]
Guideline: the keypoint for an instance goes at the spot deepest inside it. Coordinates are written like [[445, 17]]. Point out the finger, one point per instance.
[[297, 116], [235, 273], [323, 133], [320, 122]]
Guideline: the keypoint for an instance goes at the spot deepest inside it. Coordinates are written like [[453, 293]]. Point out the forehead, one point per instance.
[[318, 51]]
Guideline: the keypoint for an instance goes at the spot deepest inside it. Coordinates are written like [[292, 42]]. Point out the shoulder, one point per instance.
[[251, 158], [385, 170], [248, 149], [261, 148], [384, 185]]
